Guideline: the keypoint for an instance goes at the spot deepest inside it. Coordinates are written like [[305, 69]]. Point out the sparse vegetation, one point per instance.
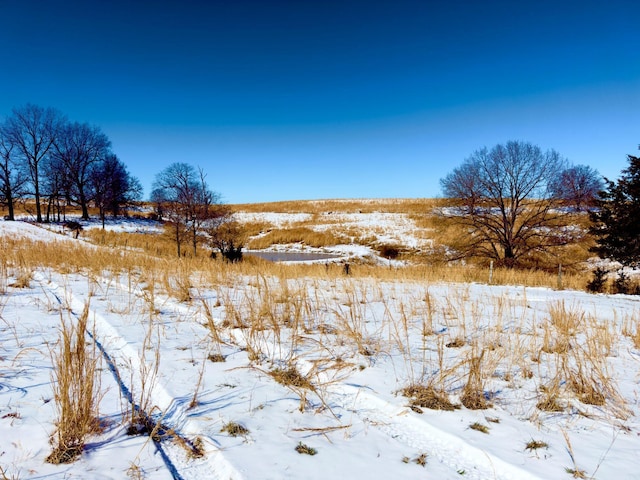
[[421, 459], [235, 429], [535, 445], [307, 327], [426, 396], [479, 427], [290, 377], [303, 449]]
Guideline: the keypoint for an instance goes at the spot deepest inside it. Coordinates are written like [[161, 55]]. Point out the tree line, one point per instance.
[[50, 162], [54, 162]]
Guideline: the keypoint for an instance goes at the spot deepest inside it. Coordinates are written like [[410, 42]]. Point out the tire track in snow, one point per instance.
[[120, 355], [400, 424]]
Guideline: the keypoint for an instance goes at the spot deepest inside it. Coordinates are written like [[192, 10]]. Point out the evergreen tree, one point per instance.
[[616, 221]]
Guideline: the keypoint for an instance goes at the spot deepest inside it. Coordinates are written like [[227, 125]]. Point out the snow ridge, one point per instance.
[[119, 355]]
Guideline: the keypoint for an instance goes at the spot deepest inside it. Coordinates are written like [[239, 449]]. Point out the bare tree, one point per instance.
[[32, 130], [508, 205], [113, 187], [183, 197], [13, 177], [56, 187], [578, 186], [79, 148]]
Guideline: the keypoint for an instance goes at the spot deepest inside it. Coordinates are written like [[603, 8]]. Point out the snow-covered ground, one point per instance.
[[356, 342], [385, 228]]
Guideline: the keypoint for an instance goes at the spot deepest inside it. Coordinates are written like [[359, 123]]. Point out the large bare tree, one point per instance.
[[507, 205], [32, 130]]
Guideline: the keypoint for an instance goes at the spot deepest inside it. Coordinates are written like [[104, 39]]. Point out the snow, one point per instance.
[[385, 228], [360, 343], [279, 220]]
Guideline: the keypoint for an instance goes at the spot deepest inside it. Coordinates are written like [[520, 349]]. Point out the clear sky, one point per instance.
[[280, 100]]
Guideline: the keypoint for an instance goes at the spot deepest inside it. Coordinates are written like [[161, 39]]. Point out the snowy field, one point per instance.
[[349, 346]]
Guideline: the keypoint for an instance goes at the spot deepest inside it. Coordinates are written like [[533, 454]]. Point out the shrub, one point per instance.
[[622, 283], [389, 251], [599, 280]]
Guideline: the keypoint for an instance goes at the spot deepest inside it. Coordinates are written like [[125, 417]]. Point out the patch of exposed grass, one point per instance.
[[549, 403], [421, 459], [304, 235], [535, 445], [576, 472], [290, 377], [426, 396], [216, 357], [457, 342], [235, 429], [303, 449], [479, 427]]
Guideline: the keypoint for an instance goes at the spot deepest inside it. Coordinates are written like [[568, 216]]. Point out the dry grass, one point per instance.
[[631, 329], [6, 475], [478, 427], [276, 311], [76, 390], [141, 408], [235, 429], [575, 347], [536, 445], [304, 449], [392, 205], [302, 235], [473, 392], [156, 255], [426, 396], [291, 377]]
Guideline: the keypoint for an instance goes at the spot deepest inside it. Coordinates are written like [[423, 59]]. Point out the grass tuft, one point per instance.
[[549, 403], [235, 429], [216, 357], [479, 427], [535, 445], [421, 460], [303, 449], [473, 393], [427, 396], [290, 377], [76, 390], [576, 472]]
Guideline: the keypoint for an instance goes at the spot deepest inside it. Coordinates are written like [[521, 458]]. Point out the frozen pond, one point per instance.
[[293, 256]]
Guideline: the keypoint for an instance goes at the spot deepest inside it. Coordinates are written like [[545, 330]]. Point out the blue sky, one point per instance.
[[280, 100]]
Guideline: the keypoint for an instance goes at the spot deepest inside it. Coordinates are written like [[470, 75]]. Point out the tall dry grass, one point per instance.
[[76, 385], [309, 325], [574, 353], [389, 205], [303, 235]]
